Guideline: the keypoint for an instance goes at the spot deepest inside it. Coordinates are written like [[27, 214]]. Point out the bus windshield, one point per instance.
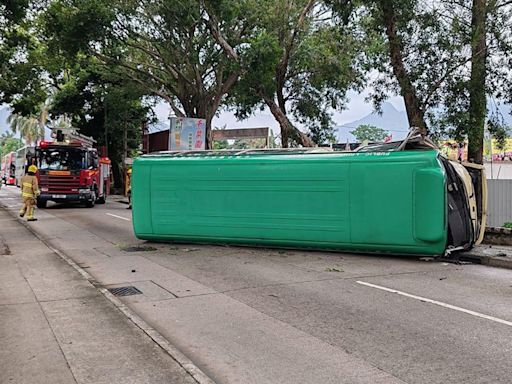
[[61, 159]]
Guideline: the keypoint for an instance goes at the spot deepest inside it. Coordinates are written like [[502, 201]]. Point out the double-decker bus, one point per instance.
[[9, 169]]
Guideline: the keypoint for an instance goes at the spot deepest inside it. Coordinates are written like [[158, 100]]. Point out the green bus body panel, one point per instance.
[[391, 202]]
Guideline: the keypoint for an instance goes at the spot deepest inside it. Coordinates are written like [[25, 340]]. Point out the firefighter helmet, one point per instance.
[[32, 169]]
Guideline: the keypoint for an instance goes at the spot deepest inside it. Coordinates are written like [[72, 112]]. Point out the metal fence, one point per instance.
[[499, 205]]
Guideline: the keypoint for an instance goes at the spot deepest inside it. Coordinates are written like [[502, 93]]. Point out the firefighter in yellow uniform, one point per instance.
[[29, 192]]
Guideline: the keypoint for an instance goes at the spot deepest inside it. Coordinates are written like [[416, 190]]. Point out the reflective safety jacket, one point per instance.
[[29, 186]]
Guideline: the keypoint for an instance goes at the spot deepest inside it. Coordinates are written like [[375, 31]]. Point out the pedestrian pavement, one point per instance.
[[56, 327]]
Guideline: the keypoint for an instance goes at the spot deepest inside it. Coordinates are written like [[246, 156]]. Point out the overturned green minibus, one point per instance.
[[402, 199]]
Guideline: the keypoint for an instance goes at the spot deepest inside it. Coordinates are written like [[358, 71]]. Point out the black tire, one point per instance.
[[41, 203], [90, 203]]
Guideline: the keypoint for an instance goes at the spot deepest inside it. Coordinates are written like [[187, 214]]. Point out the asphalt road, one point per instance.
[[249, 315]]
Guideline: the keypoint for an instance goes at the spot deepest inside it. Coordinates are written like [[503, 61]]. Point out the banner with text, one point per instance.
[[187, 134]]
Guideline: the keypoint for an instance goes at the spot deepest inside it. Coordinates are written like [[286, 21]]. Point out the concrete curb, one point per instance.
[[491, 261], [199, 376], [498, 236]]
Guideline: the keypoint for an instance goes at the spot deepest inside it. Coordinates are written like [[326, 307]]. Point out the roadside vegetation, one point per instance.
[[105, 64]]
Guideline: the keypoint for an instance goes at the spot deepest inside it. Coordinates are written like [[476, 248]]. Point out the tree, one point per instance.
[[393, 24], [9, 143], [26, 126], [299, 67], [498, 131], [31, 127], [185, 52], [106, 107], [28, 70], [51, 82], [477, 88], [370, 133], [438, 59]]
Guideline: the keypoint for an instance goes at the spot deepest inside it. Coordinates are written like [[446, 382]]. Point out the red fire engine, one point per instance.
[[69, 169]]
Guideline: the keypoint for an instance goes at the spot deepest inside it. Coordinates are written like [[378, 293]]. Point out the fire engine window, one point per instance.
[[61, 159], [93, 161]]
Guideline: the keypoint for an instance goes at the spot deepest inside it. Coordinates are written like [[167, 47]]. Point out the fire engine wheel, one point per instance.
[[41, 203], [90, 203]]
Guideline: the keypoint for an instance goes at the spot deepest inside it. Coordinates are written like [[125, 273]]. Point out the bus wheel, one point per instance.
[[41, 203]]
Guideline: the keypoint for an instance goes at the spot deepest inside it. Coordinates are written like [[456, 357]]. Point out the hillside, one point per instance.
[[395, 121], [391, 119]]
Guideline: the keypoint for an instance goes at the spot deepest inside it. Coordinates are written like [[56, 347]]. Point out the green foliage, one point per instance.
[[298, 66], [12, 11], [104, 105], [220, 144], [260, 57], [507, 225], [498, 130], [71, 25], [26, 126], [185, 52], [99, 62], [370, 133], [435, 40], [8, 143]]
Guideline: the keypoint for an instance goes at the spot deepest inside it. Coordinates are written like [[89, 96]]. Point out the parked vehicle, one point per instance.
[[24, 157], [397, 198], [9, 169], [2, 171], [70, 172]]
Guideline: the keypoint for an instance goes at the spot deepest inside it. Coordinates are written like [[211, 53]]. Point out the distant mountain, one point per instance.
[[396, 123], [4, 114], [391, 119]]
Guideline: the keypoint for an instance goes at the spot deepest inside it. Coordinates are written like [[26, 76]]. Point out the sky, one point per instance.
[[357, 108]]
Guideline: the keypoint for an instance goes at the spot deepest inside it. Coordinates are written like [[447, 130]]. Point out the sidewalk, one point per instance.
[[56, 327]]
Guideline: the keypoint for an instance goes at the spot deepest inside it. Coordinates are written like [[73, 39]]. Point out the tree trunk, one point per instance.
[[288, 131], [124, 155], [477, 97], [415, 113], [208, 140]]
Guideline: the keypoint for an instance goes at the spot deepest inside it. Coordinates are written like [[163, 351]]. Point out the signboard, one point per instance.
[[187, 134]]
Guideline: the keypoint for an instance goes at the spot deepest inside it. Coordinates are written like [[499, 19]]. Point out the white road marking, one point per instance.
[[440, 303], [119, 217]]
